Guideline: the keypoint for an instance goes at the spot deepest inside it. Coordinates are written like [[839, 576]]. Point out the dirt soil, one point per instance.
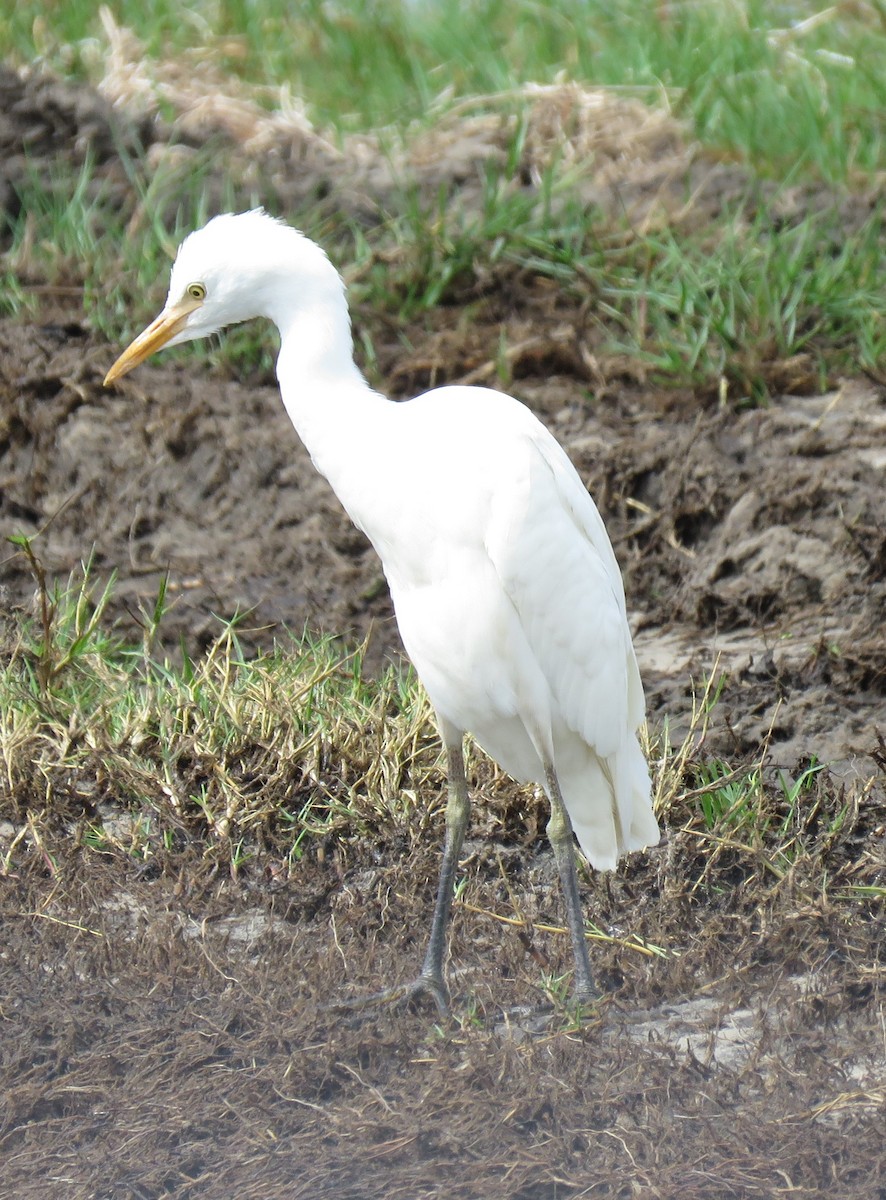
[[166, 1031]]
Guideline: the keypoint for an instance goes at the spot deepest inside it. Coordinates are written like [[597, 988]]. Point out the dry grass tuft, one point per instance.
[[608, 137], [205, 98], [565, 126], [224, 753]]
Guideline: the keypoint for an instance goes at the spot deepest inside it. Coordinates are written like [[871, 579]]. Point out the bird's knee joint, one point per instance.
[[559, 830]]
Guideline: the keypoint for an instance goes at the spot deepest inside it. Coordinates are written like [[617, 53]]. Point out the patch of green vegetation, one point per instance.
[[786, 87], [68, 231], [727, 798], [238, 752], [749, 825], [729, 302], [72, 233], [720, 307], [234, 758], [761, 295]]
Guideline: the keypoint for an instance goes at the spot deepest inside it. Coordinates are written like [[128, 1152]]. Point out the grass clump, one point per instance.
[[742, 829], [756, 293], [238, 754], [757, 303], [237, 759], [794, 86]]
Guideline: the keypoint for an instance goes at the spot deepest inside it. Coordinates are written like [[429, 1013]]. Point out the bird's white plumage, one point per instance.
[[507, 592], [514, 613]]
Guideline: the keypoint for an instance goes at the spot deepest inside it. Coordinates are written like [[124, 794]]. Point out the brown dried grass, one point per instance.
[[568, 128]]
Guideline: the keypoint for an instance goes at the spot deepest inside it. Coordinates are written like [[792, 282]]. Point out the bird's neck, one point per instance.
[[334, 410]]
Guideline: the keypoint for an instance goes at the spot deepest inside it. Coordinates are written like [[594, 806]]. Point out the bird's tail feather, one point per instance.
[[609, 803]]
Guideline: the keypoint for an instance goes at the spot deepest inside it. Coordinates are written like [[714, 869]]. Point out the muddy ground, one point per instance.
[[166, 1030]]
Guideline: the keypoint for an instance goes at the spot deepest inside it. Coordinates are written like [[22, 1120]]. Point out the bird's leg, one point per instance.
[[561, 838], [457, 813], [430, 981]]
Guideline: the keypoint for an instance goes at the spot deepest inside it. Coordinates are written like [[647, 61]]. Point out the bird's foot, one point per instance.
[[401, 995], [586, 997]]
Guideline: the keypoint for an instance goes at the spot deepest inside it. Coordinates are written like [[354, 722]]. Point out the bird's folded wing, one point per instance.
[[552, 553]]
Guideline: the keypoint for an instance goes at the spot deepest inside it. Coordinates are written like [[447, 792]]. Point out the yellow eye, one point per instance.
[[197, 291]]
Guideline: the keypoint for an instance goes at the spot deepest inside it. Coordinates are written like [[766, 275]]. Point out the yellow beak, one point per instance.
[[161, 330]]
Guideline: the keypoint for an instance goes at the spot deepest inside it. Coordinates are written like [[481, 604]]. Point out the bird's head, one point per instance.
[[238, 266]]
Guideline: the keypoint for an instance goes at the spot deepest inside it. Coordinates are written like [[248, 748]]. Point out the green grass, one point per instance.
[[785, 99], [719, 307], [239, 753], [70, 234], [232, 758], [729, 301]]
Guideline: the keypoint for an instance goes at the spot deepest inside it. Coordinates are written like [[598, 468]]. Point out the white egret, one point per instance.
[[507, 592]]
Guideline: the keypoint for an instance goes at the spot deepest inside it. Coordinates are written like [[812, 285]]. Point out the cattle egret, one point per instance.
[[507, 592]]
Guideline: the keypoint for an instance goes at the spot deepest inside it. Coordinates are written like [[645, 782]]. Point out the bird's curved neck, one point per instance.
[[335, 412], [316, 346]]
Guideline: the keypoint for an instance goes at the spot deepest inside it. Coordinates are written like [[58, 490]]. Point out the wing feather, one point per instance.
[[550, 548]]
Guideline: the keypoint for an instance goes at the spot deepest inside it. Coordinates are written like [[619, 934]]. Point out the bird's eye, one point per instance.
[[197, 291]]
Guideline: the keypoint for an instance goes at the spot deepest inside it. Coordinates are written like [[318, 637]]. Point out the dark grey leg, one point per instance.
[[457, 813], [430, 981], [561, 838]]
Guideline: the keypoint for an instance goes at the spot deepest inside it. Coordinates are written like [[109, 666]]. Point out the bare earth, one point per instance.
[[166, 1030]]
